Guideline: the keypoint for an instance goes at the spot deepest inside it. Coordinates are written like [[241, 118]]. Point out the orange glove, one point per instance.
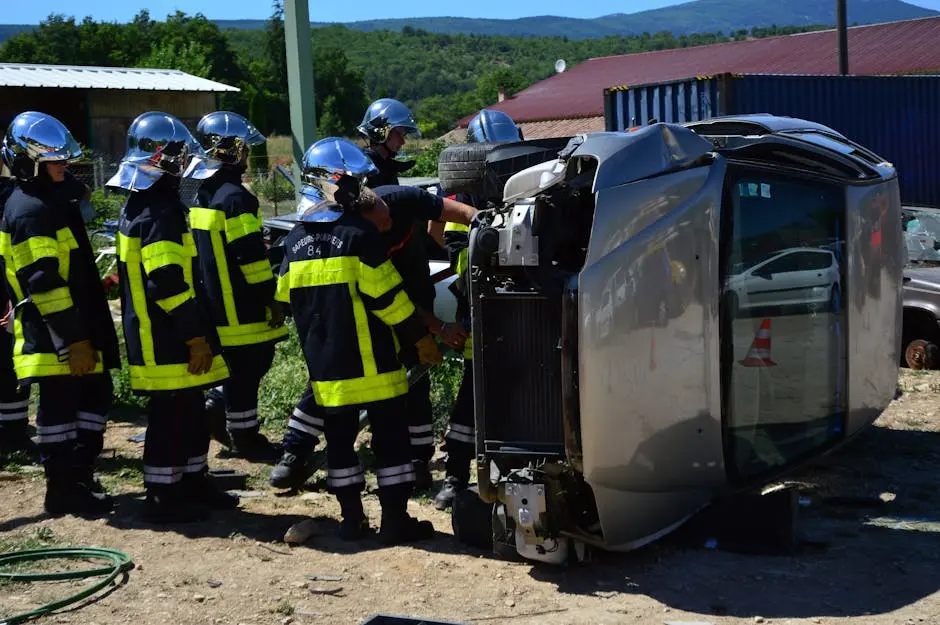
[[200, 356], [428, 353], [82, 358]]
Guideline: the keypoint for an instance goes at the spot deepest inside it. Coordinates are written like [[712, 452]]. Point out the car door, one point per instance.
[[771, 283]]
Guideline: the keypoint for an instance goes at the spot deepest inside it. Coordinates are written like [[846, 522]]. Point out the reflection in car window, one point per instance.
[[783, 325], [922, 235]]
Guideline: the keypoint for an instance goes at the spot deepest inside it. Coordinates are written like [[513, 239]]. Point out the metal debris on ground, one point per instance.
[[317, 577]]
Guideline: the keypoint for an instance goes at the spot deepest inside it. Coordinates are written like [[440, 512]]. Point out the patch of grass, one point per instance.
[[121, 472], [445, 382], [284, 608], [40, 537]]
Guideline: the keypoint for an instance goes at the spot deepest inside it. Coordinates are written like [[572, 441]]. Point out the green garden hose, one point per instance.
[[117, 563]]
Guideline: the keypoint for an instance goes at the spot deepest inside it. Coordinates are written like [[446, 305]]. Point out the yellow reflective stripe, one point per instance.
[[129, 253], [455, 227], [400, 309], [463, 262], [206, 219], [33, 249], [169, 304], [323, 271], [67, 243], [468, 347], [377, 281], [363, 334], [6, 250], [162, 254], [43, 365], [338, 393], [282, 292], [257, 272], [189, 249], [225, 281], [250, 334], [175, 377], [53, 301], [242, 225]]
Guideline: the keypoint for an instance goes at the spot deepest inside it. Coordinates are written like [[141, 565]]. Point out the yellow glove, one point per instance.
[[82, 358], [200, 356], [428, 354]]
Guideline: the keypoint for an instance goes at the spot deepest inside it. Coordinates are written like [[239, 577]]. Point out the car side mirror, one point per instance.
[[763, 273]]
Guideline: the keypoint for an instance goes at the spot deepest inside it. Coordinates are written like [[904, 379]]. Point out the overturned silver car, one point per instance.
[[668, 315]]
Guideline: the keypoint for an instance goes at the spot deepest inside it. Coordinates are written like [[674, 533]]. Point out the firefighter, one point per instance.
[[488, 126], [173, 350], [14, 399], [351, 313], [65, 341], [386, 125], [237, 279], [406, 208]]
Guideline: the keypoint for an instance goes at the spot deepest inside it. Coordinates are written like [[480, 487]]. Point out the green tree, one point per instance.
[[191, 57]]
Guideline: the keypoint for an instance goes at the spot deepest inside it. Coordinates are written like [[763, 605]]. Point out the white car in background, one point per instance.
[[799, 276]]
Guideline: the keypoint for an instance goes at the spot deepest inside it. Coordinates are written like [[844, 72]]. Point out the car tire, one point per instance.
[[472, 519], [461, 167], [921, 354]]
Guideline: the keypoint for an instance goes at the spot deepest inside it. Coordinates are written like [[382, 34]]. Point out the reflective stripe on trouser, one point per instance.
[[389, 444], [247, 366], [177, 440], [460, 437], [72, 417], [305, 425], [420, 418], [14, 400]]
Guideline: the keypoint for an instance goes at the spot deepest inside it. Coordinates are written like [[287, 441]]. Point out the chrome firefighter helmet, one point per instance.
[[491, 126], [34, 138], [226, 137], [332, 176], [385, 115], [157, 144]]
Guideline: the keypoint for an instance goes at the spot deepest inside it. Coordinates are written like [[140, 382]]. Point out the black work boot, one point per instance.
[[354, 525], [291, 471], [423, 480], [445, 497], [215, 416], [198, 488], [397, 526], [167, 505], [253, 446], [68, 493]]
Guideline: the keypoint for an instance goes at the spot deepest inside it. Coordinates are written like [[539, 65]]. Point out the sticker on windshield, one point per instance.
[[765, 190]]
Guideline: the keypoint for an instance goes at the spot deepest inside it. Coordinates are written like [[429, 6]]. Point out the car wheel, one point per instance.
[[921, 355], [460, 167], [472, 519]]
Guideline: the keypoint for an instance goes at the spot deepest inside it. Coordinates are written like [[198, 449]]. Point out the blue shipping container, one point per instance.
[[897, 117]]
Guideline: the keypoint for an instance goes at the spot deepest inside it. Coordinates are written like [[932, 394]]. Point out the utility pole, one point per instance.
[[842, 27], [303, 115]]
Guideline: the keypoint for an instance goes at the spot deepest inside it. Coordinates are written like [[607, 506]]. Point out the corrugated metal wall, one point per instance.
[[897, 117], [681, 101]]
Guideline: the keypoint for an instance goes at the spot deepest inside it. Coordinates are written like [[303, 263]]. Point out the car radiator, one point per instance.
[[521, 381]]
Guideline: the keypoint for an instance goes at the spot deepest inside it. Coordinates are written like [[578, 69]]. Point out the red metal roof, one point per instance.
[[906, 47]]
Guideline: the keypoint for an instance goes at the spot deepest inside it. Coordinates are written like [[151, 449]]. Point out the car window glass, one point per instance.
[[783, 341]]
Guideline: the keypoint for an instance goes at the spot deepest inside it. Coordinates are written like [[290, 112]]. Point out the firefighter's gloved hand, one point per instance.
[[277, 311], [453, 335], [428, 353], [200, 355], [82, 358]]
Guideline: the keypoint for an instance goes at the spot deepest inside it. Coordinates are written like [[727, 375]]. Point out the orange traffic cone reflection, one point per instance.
[[759, 354]]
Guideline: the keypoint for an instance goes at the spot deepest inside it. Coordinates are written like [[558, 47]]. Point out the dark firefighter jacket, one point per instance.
[[158, 297], [52, 281], [347, 298], [457, 241], [237, 279], [6, 190], [389, 169]]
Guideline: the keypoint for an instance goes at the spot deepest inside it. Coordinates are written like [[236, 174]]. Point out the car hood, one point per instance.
[[927, 278]]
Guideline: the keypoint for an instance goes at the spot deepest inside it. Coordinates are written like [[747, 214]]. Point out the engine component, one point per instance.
[[518, 244]]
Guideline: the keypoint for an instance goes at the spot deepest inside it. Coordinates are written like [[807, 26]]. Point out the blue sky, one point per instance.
[[21, 12]]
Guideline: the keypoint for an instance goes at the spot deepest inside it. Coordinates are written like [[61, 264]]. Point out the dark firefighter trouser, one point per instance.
[[71, 419], [420, 413], [247, 366], [305, 426], [14, 401], [177, 440], [460, 437], [395, 472]]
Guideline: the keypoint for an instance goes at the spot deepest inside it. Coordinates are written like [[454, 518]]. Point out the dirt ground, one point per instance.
[[871, 553]]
